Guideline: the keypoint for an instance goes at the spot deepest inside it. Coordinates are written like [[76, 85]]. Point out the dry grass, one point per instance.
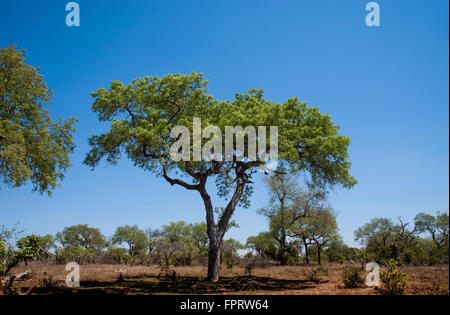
[[280, 280], [429, 280]]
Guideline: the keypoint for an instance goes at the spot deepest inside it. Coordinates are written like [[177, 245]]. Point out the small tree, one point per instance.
[[319, 227], [7, 233], [80, 242], [378, 236], [230, 254], [153, 236], [135, 239], [199, 232], [28, 249], [436, 226], [324, 230], [338, 251], [167, 252], [287, 205], [263, 244]]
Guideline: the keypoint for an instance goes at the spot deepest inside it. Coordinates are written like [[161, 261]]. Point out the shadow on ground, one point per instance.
[[180, 285]]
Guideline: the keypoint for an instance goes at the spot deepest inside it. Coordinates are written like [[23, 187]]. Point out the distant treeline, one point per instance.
[[422, 242], [425, 241], [177, 243]]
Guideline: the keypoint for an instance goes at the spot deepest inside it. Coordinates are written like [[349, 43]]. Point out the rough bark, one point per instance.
[[282, 253], [214, 261], [306, 251], [216, 232]]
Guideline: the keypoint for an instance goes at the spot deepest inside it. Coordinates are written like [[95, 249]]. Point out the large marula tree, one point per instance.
[[143, 114]]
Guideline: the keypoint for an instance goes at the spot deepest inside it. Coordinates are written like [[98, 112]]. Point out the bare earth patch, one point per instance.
[[273, 280]]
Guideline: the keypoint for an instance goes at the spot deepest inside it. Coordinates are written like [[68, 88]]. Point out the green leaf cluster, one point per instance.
[[32, 147]]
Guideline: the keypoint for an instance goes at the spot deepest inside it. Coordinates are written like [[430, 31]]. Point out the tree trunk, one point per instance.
[[282, 253], [214, 260], [319, 250], [214, 240], [306, 252], [217, 231]]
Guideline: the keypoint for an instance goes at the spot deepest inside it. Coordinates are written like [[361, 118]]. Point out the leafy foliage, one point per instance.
[[437, 227], [393, 281], [135, 239], [288, 204], [32, 146], [230, 249], [28, 249], [319, 229], [384, 239], [80, 243], [264, 244], [143, 113], [338, 251], [351, 277], [3, 248]]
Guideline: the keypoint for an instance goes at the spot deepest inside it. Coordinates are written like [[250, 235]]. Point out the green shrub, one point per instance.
[[229, 261], [351, 277], [393, 281], [28, 250], [3, 249], [230, 258]]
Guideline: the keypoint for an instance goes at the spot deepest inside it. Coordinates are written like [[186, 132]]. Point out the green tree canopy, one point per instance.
[[46, 242], [318, 227], [436, 226], [385, 239], [200, 237], [3, 248], [262, 244], [80, 243], [135, 239], [32, 146], [323, 229], [81, 236], [177, 231]]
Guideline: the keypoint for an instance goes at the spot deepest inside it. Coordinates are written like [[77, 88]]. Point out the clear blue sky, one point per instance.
[[387, 87]]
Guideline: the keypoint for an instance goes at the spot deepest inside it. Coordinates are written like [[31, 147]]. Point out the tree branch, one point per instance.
[[178, 181]]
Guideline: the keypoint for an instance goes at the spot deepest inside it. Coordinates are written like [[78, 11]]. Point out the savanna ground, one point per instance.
[[272, 280]]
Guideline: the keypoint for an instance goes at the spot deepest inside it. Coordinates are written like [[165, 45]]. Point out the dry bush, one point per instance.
[[49, 285], [252, 262], [312, 275], [351, 277]]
